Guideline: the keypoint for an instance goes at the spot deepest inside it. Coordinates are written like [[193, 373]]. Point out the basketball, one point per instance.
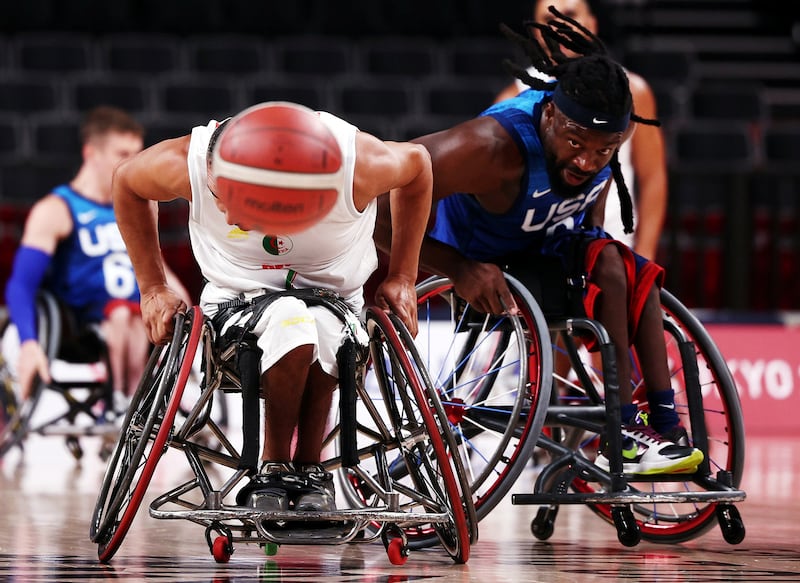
[[277, 168]]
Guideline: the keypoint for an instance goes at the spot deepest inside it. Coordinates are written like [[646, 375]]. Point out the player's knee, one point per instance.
[[609, 269], [120, 314]]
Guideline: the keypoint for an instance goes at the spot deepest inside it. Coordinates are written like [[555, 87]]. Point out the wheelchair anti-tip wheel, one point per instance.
[[493, 375], [146, 429]]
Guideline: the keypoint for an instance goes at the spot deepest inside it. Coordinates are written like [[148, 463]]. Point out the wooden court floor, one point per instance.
[[46, 501]]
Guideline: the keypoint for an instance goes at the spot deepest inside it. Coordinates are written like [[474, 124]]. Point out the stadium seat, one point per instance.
[[231, 55], [191, 96], [399, 57], [131, 93], [782, 144], [727, 102], [57, 138], [414, 126], [661, 65], [482, 58], [26, 181], [669, 101], [10, 137], [52, 52], [724, 145], [315, 56], [459, 98], [360, 96], [159, 128], [298, 89], [140, 53], [27, 95]]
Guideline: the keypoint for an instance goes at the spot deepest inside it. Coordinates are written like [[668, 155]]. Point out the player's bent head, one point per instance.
[[277, 168], [594, 91]]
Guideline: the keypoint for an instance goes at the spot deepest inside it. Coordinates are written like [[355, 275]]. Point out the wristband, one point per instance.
[[29, 267]]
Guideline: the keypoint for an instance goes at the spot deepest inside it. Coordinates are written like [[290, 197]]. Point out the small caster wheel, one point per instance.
[[730, 521], [222, 549], [271, 549], [397, 552], [628, 531], [74, 447], [543, 525]]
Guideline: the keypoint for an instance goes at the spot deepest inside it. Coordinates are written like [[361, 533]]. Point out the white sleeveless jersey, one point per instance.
[[612, 222], [337, 254]]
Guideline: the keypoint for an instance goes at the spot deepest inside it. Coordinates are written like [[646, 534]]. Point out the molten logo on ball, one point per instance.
[[275, 206], [278, 167]]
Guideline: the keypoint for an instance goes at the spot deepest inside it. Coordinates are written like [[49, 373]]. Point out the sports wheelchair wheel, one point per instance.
[[147, 427], [712, 418], [405, 446], [17, 416], [493, 375], [14, 416]]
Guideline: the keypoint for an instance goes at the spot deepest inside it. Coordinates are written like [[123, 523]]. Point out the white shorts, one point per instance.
[[288, 323]]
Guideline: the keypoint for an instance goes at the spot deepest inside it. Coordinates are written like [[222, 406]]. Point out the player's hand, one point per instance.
[[32, 361], [399, 295], [484, 286], [159, 306]]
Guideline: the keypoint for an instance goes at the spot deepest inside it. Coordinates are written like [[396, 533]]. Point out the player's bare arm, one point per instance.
[[48, 223], [403, 170], [156, 174], [478, 157]]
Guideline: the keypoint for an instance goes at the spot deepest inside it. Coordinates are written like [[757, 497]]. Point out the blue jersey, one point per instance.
[[91, 266], [536, 215]]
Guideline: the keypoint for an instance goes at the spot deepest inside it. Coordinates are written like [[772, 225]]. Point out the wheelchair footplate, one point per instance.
[[572, 479], [270, 529]]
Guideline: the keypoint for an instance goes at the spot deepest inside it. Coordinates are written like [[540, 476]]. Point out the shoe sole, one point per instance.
[[687, 465]]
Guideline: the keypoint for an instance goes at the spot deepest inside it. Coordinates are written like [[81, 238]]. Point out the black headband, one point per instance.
[[587, 117]]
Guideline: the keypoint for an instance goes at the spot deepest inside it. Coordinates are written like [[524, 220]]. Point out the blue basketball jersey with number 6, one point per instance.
[[91, 266]]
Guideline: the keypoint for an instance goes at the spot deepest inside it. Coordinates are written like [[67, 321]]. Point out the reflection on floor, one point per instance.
[[46, 500]]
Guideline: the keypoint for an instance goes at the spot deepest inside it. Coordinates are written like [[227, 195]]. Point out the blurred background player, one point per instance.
[[72, 247], [642, 157]]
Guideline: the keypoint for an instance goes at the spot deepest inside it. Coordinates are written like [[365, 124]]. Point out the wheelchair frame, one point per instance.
[[428, 494], [495, 384], [665, 508], [17, 418]]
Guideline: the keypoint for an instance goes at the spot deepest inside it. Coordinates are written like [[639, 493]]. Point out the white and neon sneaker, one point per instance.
[[646, 452]]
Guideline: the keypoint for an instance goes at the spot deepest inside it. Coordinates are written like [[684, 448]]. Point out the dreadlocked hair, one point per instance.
[[592, 78]]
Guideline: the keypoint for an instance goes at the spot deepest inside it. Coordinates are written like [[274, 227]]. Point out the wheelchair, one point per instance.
[[564, 416], [389, 443], [76, 402]]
